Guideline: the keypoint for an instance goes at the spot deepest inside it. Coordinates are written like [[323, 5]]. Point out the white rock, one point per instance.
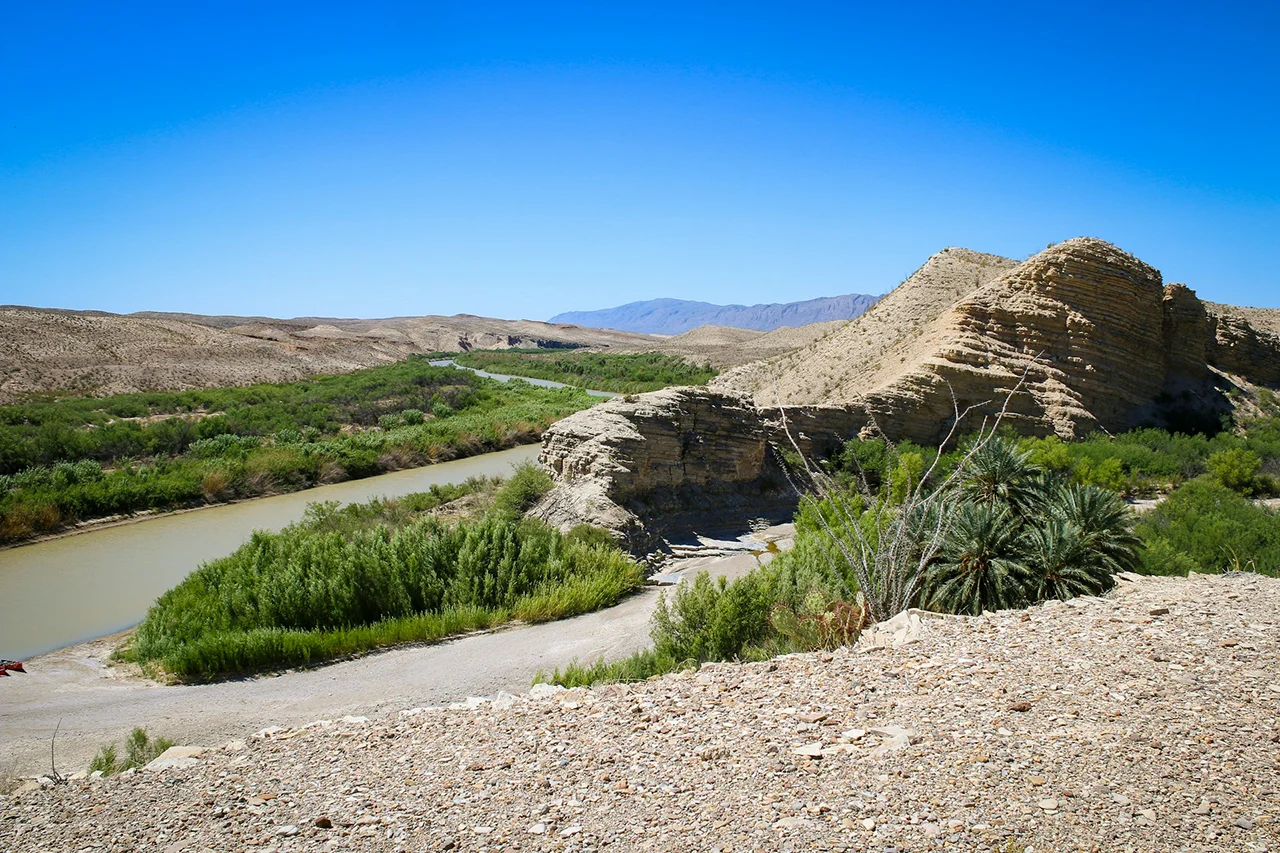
[[543, 690], [176, 758], [790, 823]]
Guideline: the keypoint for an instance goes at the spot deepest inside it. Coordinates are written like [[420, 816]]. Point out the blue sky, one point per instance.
[[518, 160]]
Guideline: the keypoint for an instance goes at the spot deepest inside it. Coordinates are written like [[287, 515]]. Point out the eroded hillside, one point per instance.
[[94, 352]]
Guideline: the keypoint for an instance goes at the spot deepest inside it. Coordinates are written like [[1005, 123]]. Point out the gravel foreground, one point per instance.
[[1143, 721]]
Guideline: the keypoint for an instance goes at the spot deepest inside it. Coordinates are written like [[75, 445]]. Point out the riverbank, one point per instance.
[[1125, 723], [73, 588], [99, 700]]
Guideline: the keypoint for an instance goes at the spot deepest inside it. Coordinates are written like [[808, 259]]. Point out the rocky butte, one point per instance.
[[1080, 337]]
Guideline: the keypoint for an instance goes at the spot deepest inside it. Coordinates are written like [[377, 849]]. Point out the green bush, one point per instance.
[[1236, 468], [1214, 529], [526, 486], [140, 750], [345, 580]]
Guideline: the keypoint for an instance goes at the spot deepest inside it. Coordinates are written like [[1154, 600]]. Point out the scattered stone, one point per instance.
[[1158, 611], [809, 750], [704, 760], [790, 823]]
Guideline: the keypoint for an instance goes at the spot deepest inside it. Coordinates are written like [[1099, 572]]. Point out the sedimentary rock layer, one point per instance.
[[1082, 336]]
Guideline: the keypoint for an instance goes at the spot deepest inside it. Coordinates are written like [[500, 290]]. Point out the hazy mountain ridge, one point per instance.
[[676, 316]]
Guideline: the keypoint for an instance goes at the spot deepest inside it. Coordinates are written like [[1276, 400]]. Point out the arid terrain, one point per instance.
[[1143, 721], [99, 353]]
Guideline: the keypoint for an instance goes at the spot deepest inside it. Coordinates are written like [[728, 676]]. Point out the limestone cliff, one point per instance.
[[1088, 333], [1082, 336]]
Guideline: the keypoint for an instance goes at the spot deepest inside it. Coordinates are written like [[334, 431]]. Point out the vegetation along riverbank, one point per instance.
[[346, 580], [621, 373], [65, 460]]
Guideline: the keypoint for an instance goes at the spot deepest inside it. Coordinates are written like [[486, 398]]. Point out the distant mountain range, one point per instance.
[[674, 316]]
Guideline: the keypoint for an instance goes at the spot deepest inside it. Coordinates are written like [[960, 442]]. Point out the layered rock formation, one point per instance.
[[1082, 336]]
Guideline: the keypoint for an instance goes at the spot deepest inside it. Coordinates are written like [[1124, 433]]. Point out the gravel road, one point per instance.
[[95, 702], [1143, 721], [98, 704]]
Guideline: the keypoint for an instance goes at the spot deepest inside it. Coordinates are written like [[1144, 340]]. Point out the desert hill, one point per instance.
[[97, 352], [676, 316], [1087, 335], [725, 347], [1095, 331]]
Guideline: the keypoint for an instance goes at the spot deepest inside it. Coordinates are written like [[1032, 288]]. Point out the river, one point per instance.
[[100, 581], [502, 377]]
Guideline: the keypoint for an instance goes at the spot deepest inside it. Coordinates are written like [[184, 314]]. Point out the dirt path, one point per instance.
[[98, 703]]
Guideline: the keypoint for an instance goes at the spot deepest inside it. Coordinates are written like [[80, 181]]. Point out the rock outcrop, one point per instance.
[[1080, 337]]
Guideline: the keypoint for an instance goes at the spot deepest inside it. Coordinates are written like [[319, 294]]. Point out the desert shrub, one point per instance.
[[788, 605], [1214, 527], [1159, 557], [589, 534], [524, 488], [1236, 468]]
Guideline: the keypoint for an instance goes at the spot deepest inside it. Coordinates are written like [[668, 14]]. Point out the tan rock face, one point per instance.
[[1087, 336], [642, 456]]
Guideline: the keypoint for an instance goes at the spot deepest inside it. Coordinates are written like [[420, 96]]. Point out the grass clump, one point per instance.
[[621, 373], [344, 581], [140, 749]]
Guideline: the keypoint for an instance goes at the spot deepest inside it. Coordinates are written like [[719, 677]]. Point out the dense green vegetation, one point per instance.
[[1026, 519], [622, 373], [1204, 526], [1000, 533], [347, 580], [69, 459]]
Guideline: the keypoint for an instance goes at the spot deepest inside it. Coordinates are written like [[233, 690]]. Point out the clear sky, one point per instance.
[[518, 160]]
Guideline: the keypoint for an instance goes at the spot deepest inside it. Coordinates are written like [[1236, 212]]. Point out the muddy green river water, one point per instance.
[[100, 581]]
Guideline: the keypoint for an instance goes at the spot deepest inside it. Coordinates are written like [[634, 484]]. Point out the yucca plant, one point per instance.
[[1105, 523], [1061, 563], [978, 567], [998, 471]]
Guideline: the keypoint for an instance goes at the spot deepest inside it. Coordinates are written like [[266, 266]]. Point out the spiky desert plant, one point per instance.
[[998, 470], [1104, 520], [889, 541], [1061, 563], [978, 566]]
